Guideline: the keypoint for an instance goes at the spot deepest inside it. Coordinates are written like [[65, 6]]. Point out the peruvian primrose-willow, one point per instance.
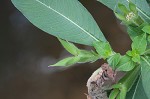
[[69, 21]]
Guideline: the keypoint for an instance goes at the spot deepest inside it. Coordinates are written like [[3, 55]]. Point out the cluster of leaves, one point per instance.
[[68, 20], [79, 56], [136, 18]]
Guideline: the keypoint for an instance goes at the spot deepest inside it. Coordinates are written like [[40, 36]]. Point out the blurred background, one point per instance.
[[26, 52]]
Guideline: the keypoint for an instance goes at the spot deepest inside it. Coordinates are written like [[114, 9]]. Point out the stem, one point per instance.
[[114, 94], [123, 92]]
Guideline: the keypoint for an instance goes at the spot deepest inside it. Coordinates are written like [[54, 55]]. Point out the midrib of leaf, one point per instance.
[[141, 12], [49, 7]]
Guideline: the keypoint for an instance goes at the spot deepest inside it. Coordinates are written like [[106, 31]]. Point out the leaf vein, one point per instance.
[[49, 7]]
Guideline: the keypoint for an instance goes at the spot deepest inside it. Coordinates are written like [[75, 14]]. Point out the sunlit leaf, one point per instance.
[[103, 49], [125, 64], [114, 60], [139, 44]]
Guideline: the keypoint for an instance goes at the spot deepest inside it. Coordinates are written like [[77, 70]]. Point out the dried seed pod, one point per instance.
[[99, 82]]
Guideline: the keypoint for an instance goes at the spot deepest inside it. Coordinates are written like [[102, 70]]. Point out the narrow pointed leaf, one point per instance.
[[67, 61], [66, 19], [132, 7], [87, 56], [123, 8], [70, 47]]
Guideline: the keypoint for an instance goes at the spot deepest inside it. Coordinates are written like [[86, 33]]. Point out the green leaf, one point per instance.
[[87, 56], [132, 7], [65, 19], [123, 8], [137, 91], [103, 49], [125, 83], [135, 31], [148, 38], [146, 29], [120, 16], [130, 53], [143, 8], [145, 71], [83, 56], [132, 31], [125, 64], [135, 56], [114, 60], [70, 47], [129, 79], [67, 61], [139, 44]]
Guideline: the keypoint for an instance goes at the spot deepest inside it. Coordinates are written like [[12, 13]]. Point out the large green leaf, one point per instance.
[[142, 6], [66, 19], [145, 71], [137, 91]]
